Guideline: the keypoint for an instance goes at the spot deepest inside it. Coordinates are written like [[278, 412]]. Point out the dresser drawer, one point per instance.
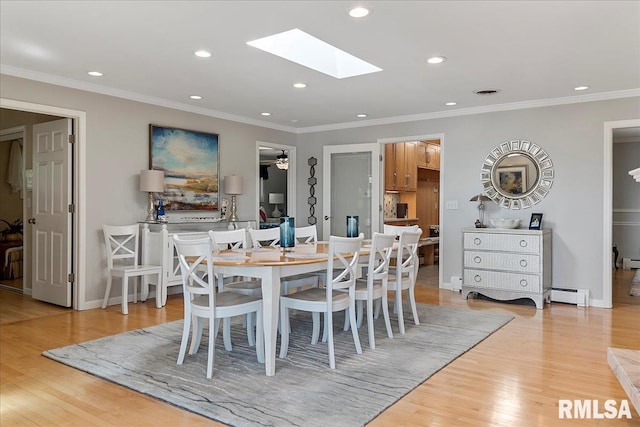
[[503, 281], [519, 263], [502, 242]]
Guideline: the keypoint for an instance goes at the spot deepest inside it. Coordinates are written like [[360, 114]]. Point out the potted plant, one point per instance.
[[14, 231]]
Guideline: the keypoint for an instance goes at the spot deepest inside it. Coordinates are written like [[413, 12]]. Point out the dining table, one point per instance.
[[270, 264]]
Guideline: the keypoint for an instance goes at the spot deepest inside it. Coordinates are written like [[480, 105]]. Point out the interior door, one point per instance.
[[52, 220], [351, 175]]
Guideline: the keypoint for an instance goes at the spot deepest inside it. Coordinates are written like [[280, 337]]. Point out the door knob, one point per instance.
[[326, 217], [31, 220]]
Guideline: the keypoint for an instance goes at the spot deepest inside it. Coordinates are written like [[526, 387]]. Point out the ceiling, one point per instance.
[[534, 52]]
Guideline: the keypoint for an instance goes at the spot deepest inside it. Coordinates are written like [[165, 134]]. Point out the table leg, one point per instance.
[[270, 314]]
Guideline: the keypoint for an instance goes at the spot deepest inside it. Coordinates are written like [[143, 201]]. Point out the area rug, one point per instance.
[[304, 390], [634, 290]]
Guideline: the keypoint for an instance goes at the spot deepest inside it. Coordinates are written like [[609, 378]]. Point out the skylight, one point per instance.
[[306, 50]]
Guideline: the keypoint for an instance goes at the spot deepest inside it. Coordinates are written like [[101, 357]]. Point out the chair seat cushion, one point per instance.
[[316, 295], [225, 299], [244, 284]]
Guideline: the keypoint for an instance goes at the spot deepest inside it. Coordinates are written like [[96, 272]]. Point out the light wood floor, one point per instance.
[[513, 378]]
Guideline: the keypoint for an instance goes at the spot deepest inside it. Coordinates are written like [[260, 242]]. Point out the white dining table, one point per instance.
[[270, 264]]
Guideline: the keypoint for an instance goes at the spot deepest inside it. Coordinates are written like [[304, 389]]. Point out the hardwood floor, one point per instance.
[[513, 378]]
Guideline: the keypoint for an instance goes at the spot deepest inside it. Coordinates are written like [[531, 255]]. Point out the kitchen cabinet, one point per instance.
[[428, 154], [401, 166]]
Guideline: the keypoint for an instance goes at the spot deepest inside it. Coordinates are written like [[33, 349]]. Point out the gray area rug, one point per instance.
[[634, 290], [304, 390]]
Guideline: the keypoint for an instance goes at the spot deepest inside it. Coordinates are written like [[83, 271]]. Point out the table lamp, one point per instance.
[[233, 186], [276, 199], [480, 198], [151, 181]]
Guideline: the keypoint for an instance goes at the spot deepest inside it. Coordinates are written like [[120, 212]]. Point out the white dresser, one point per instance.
[[507, 264], [157, 245]]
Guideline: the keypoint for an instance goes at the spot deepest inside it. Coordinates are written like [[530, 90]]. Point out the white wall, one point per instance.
[[573, 137], [117, 148]]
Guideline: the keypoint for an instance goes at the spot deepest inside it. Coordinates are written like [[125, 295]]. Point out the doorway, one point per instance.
[[31, 112], [275, 183], [608, 166]]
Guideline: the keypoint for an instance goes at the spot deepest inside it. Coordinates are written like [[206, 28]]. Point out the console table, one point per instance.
[[157, 245], [507, 264]]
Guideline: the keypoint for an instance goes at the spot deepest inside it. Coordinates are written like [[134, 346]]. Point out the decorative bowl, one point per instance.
[[505, 222]]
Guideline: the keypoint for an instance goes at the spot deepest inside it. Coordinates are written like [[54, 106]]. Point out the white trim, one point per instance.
[[133, 96], [626, 223], [634, 211], [439, 136], [291, 177], [12, 133], [80, 190], [607, 206]]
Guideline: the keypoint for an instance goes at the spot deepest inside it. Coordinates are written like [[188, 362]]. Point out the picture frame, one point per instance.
[[191, 164], [512, 179], [536, 221]]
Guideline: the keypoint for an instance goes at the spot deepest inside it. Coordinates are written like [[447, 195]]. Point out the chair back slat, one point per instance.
[[121, 243], [343, 256], [407, 253], [265, 237], [398, 229], [231, 239], [307, 234], [195, 257], [380, 256]]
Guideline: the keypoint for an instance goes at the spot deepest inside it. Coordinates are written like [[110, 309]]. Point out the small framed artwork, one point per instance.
[[513, 179], [536, 221], [190, 163]]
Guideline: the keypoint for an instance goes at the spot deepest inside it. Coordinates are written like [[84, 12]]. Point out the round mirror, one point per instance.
[[517, 174]]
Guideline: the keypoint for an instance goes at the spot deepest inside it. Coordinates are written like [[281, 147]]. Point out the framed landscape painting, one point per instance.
[[513, 179], [190, 163]]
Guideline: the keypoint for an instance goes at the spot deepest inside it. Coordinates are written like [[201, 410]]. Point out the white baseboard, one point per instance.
[[628, 263], [579, 297]]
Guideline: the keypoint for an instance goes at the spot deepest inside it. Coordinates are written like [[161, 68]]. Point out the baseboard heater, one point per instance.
[[628, 263], [579, 297]]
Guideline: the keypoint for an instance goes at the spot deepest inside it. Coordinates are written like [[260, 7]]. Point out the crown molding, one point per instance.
[[603, 96], [134, 96]]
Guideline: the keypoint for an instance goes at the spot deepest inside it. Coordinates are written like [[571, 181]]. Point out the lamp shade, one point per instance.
[[479, 198], [233, 184], [152, 181], [276, 198]]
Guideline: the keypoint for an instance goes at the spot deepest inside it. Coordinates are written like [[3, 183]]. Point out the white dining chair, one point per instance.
[[373, 287], [202, 302], [306, 234], [346, 251], [271, 237], [122, 244], [398, 229], [403, 276]]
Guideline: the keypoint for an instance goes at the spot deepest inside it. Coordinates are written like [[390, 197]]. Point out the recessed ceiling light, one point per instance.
[[95, 73], [294, 120], [358, 12], [581, 88], [203, 54], [436, 59], [265, 114], [362, 115], [299, 85], [450, 103], [195, 97], [304, 49]]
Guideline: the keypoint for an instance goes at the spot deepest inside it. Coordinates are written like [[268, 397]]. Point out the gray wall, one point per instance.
[[117, 149], [573, 137]]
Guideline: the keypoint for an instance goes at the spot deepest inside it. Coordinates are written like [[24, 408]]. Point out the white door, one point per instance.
[[52, 221], [351, 175]]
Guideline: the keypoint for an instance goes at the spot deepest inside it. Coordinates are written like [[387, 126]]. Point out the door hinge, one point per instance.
[[72, 139], [71, 278], [72, 208]]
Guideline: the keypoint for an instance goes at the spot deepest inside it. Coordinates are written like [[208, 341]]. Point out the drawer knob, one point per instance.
[[523, 282], [523, 243], [477, 278], [523, 263], [477, 259], [477, 241]]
